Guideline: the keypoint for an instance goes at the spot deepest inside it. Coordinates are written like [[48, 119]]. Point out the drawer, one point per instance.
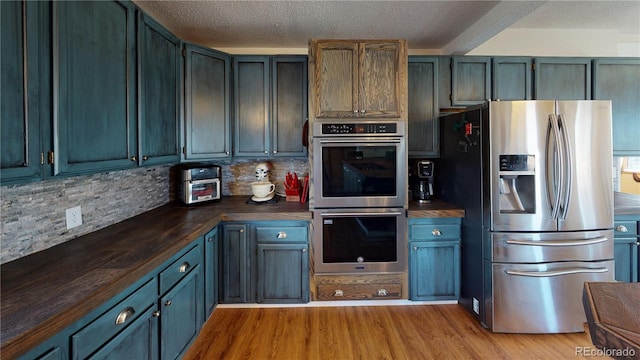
[[630, 226], [179, 268], [433, 231], [94, 335], [281, 234], [379, 291]]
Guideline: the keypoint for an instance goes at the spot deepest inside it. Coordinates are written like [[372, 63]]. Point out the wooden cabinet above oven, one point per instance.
[[358, 79]]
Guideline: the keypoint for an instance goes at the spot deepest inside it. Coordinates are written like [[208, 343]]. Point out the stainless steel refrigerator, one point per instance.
[[535, 180]]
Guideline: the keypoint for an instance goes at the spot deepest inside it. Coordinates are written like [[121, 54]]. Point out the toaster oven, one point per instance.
[[199, 183]]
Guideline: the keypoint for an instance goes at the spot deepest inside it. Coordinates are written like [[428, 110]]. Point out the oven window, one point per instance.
[[203, 191], [359, 171], [359, 239]]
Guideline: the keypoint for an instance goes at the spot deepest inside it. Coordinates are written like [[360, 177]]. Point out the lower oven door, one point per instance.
[[359, 240], [542, 298]]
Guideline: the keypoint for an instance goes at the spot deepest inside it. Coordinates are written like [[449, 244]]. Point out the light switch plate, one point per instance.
[[74, 217]]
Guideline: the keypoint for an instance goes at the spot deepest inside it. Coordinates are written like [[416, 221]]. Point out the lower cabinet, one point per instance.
[[434, 258], [211, 273], [626, 248], [266, 262]]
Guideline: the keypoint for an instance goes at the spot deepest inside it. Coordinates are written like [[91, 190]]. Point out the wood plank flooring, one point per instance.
[[370, 332]]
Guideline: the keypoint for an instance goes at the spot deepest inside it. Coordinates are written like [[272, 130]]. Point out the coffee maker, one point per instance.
[[423, 186]]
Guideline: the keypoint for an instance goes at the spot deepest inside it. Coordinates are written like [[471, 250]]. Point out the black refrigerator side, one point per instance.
[[462, 180]]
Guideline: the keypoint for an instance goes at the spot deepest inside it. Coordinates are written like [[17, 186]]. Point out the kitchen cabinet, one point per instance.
[[565, 78], [511, 78], [211, 273], [94, 90], [270, 105], [207, 125], [434, 258], [423, 137], [618, 80], [24, 91], [159, 69], [266, 262], [470, 80], [365, 79], [283, 263], [626, 245], [56, 348]]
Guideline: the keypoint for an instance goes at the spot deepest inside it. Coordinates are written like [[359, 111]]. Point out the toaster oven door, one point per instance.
[[196, 191]]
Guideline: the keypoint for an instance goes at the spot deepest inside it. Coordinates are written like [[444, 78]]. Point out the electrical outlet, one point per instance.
[[74, 217], [476, 306]]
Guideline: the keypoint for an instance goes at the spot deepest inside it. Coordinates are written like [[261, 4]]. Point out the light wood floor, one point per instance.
[[369, 332]]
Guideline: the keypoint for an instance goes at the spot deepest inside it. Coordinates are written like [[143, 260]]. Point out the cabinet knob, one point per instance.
[[415, 248], [305, 249], [362, 111], [209, 239], [167, 303], [638, 243], [338, 292], [622, 228], [436, 232], [145, 158], [266, 151], [156, 313], [184, 267], [241, 230], [275, 151], [134, 158], [226, 153], [355, 111], [382, 292], [124, 315], [282, 235]]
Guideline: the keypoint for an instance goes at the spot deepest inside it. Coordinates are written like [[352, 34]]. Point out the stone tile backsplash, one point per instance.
[[32, 216]]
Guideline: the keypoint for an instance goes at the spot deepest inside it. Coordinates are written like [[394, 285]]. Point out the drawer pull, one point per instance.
[[124, 315], [622, 228], [436, 232], [184, 267], [338, 293], [282, 235], [382, 292]]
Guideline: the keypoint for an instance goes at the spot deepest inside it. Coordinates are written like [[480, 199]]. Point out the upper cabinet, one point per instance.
[[470, 80], [423, 137], [511, 78], [562, 78], [366, 79], [160, 65], [618, 80], [94, 90], [207, 101], [25, 80]]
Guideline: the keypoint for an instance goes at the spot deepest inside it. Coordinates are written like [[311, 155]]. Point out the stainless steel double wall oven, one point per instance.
[[360, 191]]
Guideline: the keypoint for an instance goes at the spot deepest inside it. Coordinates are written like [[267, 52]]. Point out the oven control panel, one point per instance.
[[368, 128]]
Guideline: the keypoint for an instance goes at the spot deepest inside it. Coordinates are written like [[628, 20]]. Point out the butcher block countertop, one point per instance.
[[47, 291]]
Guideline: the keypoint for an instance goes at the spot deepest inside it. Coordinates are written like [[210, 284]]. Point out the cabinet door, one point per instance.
[[211, 271], [23, 84], [236, 264], [207, 98], [94, 86], [138, 341], [181, 315], [434, 270], [424, 128], [562, 79], [618, 80], [380, 83], [159, 83], [335, 72], [289, 105], [470, 80], [626, 259], [511, 78], [283, 273], [251, 117]]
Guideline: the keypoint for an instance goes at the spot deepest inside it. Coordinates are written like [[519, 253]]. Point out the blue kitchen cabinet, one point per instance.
[[24, 90], [236, 269], [211, 273], [470, 80], [56, 348], [626, 244], [618, 80], [94, 89], [511, 78], [159, 69], [557, 78], [207, 125], [270, 103], [434, 258], [423, 137], [282, 262]]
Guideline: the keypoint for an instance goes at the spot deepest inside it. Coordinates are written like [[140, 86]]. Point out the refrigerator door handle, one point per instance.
[[568, 271], [558, 242], [555, 177], [567, 171]]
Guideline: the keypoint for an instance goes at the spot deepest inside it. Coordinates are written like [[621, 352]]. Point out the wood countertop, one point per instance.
[[47, 291]]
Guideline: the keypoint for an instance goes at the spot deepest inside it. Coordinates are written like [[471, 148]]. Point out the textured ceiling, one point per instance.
[[448, 27]]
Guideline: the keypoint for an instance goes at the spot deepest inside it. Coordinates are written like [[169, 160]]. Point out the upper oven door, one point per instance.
[[354, 172]]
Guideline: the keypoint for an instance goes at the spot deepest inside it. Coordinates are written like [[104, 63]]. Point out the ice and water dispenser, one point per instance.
[[517, 184]]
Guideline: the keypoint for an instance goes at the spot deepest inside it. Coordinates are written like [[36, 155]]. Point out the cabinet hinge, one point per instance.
[[184, 52], [50, 157], [184, 150], [533, 66], [41, 158]]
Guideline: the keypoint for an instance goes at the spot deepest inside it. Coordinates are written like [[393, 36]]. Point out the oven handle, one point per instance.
[[361, 140], [361, 214]]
